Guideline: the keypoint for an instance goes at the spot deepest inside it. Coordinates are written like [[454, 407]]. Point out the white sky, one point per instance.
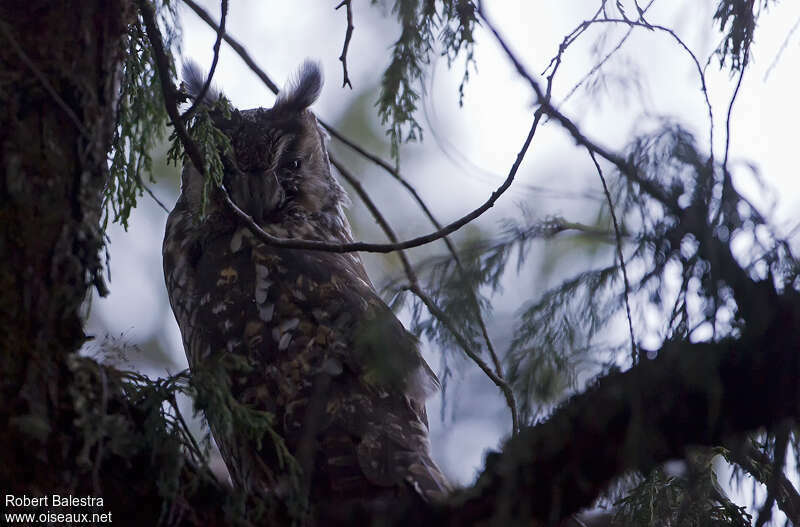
[[489, 131]]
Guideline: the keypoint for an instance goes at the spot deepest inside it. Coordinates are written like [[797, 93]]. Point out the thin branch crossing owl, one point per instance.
[[315, 346]]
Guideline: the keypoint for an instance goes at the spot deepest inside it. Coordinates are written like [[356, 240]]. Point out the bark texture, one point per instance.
[[59, 73], [58, 69]]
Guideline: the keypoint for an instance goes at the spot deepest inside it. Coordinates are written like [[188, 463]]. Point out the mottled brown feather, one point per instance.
[[344, 379]]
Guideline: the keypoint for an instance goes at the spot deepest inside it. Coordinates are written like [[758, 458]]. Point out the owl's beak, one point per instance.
[[278, 195], [259, 194], [266, 196]]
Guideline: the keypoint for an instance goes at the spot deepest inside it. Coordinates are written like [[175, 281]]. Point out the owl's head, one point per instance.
[[279, 170]]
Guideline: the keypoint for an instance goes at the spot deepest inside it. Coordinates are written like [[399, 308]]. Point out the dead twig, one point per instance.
[[347, 36]]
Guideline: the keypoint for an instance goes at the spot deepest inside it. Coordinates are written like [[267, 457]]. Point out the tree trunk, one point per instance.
[[59, 72], [67, 425]]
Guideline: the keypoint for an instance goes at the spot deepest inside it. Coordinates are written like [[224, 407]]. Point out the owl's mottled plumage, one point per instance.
[[329, 359]]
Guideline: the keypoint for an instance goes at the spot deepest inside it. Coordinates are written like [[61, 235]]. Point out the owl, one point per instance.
[[317, 349]]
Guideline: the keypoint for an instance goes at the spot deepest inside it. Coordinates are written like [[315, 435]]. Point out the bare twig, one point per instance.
[[152, 195], [625, 167], [417, 289], [728, 121], [608, 55], [442, 317], [727, 183], [220, 33], [569, 38], [238, 48], [376, 213], [168, 89], [781, 49], [620, 255], [347, 36], [700, 69]]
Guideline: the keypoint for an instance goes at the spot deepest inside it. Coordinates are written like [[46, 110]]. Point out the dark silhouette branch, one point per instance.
[[594, 69], [376, 213], [198, 100], [626, 168], [347, 36], [238, 48], [392, 171], [700, 71], [690, 394], [356, 246], [754, 461], [442, 317], [620, 255]]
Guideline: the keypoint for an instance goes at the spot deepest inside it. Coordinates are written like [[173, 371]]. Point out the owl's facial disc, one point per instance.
[[257, 192]]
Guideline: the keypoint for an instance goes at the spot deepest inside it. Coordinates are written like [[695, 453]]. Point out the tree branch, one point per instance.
[[620, 255], [626, 168], [347, 36], [198, 100], [691, 394], [238, 48], [701, 74], [751, 459], [356, 246], [376, 213], [442, 317]]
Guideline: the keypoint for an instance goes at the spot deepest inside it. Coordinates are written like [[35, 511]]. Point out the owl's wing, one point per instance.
[[330, 360]]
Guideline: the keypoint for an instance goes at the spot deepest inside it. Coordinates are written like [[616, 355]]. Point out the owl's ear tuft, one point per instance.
[[193, 81], [301, 92]]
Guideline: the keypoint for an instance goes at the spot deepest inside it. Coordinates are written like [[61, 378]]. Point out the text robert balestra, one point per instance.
[[53, 500]]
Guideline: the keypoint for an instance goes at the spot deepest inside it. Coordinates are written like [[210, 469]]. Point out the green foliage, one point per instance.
[[556, 333], [542, 359], [577, 326], [212, 142], [141, 120], [151, 426], [212, 391], [148, 427], [422, 22], [454, 286]]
